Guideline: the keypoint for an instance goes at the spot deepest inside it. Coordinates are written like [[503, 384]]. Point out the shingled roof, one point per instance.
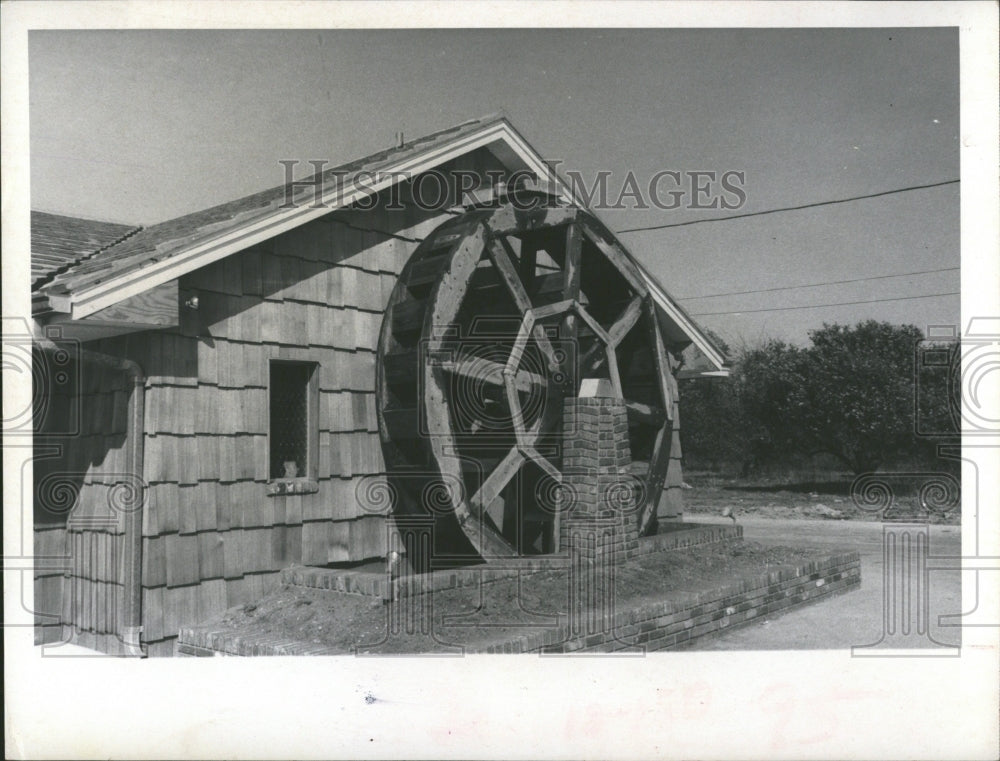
[[160, 241], [77, 272], [59, 243]]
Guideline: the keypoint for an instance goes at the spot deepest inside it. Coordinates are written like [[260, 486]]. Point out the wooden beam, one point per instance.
[[626, 320], [500, 252], [490, 489], [508, 220], [487, 371], [617, 256], [528, 263], [501, 255], [657, 474], [571, 286], [571, 263], [155, 308], [645, 413]]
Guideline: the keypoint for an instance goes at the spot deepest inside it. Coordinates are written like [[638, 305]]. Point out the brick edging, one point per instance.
[[654, 626], [373, 584]]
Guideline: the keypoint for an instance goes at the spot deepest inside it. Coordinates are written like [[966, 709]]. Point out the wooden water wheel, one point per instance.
[[497, 317]]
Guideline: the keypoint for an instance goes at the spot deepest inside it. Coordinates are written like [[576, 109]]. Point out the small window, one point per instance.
[[293, 436]]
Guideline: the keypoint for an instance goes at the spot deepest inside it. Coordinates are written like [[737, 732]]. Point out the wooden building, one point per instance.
[[208, 401]]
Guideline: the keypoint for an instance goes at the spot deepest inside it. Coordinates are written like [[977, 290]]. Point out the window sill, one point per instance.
[[292, 486]]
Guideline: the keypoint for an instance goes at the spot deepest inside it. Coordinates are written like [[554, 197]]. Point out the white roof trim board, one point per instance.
[[202, 252]]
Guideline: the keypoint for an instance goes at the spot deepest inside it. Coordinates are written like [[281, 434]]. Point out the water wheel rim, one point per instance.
[[484, 234]]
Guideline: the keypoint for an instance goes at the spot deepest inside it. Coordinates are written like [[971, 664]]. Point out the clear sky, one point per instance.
[[143, 126]]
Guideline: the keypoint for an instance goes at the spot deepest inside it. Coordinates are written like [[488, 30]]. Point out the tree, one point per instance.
[[855, 398], [742, 419], [852, 394], [768, 383]]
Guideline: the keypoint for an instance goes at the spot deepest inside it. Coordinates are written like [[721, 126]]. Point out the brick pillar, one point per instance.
[[601, 521]]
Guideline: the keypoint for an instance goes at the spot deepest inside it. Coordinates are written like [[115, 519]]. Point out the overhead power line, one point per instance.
[[834, 304], [817, 285], [790, 208]]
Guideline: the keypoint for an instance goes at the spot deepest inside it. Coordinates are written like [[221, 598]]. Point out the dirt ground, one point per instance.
[[474, 616], [828, 499]]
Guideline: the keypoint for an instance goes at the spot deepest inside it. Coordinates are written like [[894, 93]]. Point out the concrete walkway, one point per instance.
[[854, 618]]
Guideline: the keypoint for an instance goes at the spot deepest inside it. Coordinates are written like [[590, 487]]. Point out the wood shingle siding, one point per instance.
[[80, 467], [213, 537]]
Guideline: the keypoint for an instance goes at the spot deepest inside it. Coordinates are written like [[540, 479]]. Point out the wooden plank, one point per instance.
[[152, 613], [211, 555], [271, 321], [207, 363], [339, 542], [616, 255], [334, 296], [223, 506], [571, 263], [237, 591], [232, 553], [293, 509], [186, 454], [154, 562], [187, 508], [251, 281], [182, 559], [501, 256], [315, 542], [290, 267], [293, 544], [626, 320], [659, 461], [155, 308], [490, 489], [165, 501], [205, 506]]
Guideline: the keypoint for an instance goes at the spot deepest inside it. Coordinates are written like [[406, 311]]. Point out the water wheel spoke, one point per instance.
[[571, 264], [626, 321], [616, 380], [656, 475], [490, 489], [661, 362], [593, 324], [614, 254], [501, 255], [536, 457], [514, 405], [550, 309], [487, 371]]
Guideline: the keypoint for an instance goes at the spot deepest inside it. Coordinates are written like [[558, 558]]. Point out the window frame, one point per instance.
[[305, 483]]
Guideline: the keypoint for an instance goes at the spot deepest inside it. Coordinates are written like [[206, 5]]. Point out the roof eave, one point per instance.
[[208, 249]]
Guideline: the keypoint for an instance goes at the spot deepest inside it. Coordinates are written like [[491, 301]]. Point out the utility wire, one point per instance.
[[790, 208], [834, 304], [817, 285]]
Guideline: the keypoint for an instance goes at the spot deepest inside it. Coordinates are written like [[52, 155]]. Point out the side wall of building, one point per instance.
[[213, 536], [82, 485]]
